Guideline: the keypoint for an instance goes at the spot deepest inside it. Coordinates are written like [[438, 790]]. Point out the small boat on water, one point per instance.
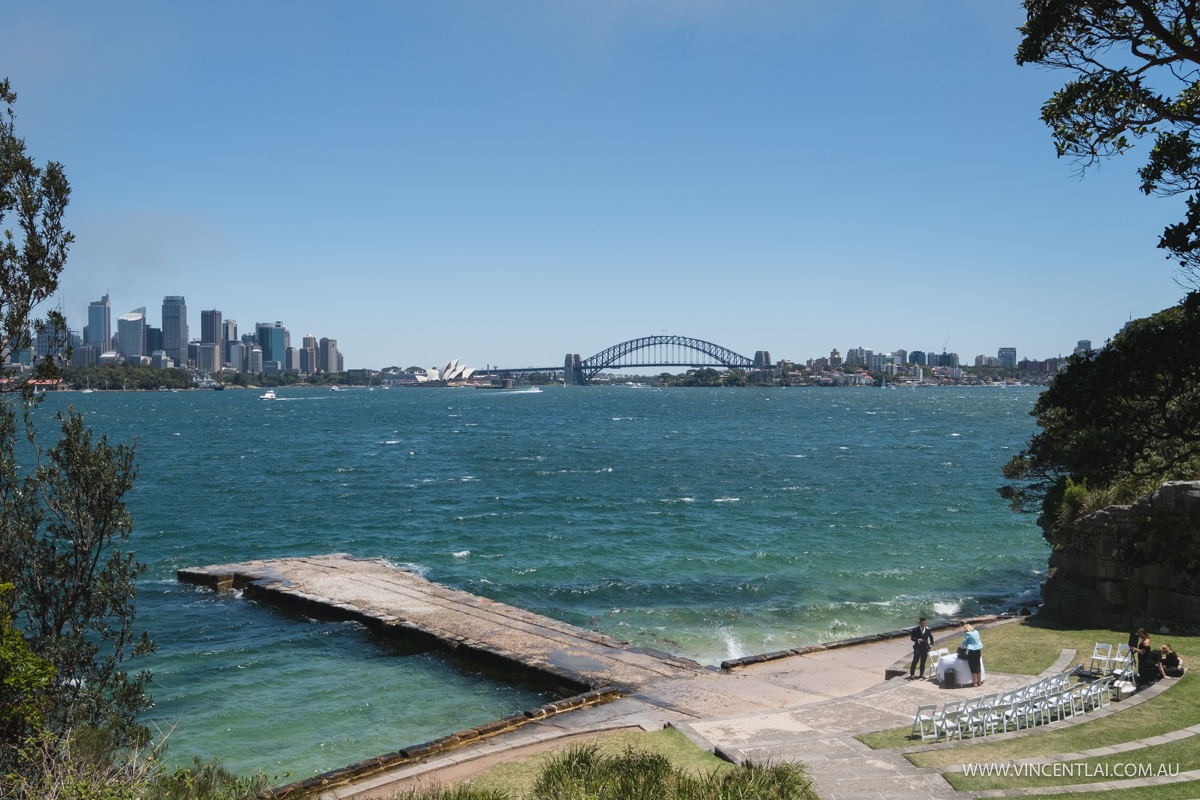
[[269, 395], [334, 388], [89, 388]]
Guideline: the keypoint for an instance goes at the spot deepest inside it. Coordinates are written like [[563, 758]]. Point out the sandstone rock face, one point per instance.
[[1130, 566]]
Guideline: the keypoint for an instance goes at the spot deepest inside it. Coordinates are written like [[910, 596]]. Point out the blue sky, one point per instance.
[[508, 182]]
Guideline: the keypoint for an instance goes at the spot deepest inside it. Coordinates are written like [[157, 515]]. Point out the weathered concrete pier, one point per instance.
[[401, 605]]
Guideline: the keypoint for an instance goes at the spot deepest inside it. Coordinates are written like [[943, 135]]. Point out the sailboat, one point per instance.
[[89, 388]]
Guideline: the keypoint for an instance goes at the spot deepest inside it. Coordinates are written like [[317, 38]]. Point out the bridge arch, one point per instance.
[[655, 351]]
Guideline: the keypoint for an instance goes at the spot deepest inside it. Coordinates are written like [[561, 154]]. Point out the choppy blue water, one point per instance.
[[707, 522]]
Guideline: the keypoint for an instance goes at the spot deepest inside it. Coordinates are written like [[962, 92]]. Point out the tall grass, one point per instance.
[[585, 773]]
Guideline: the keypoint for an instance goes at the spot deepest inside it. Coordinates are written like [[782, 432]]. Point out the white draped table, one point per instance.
[[962, 670]]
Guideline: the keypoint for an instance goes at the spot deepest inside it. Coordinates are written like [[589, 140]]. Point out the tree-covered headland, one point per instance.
[[1120, 421]]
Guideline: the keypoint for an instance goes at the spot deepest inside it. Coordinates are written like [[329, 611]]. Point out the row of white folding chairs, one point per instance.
[[1104, 661], [1037, 703]]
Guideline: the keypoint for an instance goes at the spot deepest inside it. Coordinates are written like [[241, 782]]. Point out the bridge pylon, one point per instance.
[[573, 370]]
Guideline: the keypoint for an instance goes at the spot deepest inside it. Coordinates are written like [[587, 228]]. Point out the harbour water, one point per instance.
[[710, 523]]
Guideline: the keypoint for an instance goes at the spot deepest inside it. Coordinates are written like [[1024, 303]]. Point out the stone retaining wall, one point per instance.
[[1130, 566]]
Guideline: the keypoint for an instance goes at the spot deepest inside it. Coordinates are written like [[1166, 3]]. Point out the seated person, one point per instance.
[[1170, 665]]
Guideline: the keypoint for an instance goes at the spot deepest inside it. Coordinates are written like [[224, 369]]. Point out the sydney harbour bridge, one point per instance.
[[648, 351]]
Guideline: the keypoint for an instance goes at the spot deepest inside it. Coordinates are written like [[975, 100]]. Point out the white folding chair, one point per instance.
[[1101, 657], [949, 724], [934, 657], [923, 723]]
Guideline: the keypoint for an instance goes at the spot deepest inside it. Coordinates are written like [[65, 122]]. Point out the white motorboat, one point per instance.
[[269, 395]]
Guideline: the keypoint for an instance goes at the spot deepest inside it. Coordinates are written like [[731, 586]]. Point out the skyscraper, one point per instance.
[[1008, 357], [229, 338], [131, 334], [273, 339], [327, 361], [211, 330], [99, 327], [175, 329]]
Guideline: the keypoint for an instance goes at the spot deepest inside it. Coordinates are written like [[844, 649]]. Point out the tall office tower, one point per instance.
[[900, 357], [229, 337], [327, 361], [99, 327], [291, 361], [208, 357], [153, 339], [273, 339], [308, 360], [1008, 357], [211, 330], [835, 358], [255, 360], [175, 329], [341, 365], [917, 357], [52, 341], [131, 334], [856, 355], [236, 356]]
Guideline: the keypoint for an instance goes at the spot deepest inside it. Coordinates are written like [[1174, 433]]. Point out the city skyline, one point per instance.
[[518, 182]]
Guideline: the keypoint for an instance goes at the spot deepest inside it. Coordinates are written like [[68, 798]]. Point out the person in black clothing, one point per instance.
[[1148, 671], [1170, 665], [922, 639]]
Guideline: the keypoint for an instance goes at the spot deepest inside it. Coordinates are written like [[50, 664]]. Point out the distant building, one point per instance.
[[99, 327], [856, 355], [835, 358], [229, 338], [917, 357], [255, 364], [50, 342], [1083, 346], [875, 362], [327, 359], [273, 339], [131, 335], [154, 339], [1008, 357], [762, 359], [85, 356], [208, 357], [160, 360], [212, 331], [900, 357], [291, 360], [175, 329]]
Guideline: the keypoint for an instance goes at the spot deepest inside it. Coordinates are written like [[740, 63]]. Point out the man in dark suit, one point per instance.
[[922, 639]]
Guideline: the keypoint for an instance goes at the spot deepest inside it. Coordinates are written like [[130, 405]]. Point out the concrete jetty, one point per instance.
[[492, 636]]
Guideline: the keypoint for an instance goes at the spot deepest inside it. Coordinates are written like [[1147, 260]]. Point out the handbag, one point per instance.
[[962, 653]]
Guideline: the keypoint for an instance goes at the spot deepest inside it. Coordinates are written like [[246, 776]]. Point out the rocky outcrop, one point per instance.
[[1130, 566]]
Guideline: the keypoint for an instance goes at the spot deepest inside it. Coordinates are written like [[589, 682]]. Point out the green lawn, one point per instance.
[[1030, 647], [1180, 756], [1184, 790], [517, 777]]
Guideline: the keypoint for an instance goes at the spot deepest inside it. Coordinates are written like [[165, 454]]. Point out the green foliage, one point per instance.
[[23, 679], [584, 773], [1121, 54], [539, 379], [706, 376], [29, 266], [1117, 424], [59, 525], [205, 781], [126, 376]]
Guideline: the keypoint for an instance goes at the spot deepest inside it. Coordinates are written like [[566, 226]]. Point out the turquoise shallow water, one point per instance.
[[711, 523]]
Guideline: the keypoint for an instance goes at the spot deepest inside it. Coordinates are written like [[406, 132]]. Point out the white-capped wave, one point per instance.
[[727, 500], [947, 609], [461, 554]]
